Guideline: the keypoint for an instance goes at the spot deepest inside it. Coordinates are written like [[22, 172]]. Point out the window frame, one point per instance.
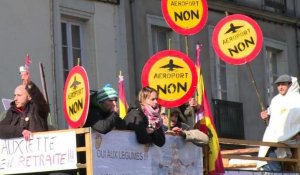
[[158, 21], [281, 49], [70, 47]]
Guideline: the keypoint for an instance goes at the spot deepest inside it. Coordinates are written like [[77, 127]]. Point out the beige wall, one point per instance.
[[24, 28]]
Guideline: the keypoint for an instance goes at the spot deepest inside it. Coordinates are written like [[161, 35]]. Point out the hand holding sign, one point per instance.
[[24, 71], [24, 75], [26, 134]]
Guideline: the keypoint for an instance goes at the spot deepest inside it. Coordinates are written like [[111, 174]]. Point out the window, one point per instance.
[[71, 45], [160, 36], [276, 64], [278, 6], [221, 79]]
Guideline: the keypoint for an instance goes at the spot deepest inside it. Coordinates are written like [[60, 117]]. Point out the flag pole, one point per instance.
[[78, 61], [186, 45], [44, 86], [198, 49], [42, 75], [257, 92], [169, 112], [122, 97]]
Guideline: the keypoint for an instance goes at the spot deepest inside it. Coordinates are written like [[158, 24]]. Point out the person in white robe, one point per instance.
[[284, 122]]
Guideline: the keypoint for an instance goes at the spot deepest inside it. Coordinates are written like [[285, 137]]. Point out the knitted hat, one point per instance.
[[107, 92], [283, 79]]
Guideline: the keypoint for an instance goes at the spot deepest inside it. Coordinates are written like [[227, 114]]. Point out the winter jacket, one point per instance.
[[137, 121], [102, 121], [33, 117]]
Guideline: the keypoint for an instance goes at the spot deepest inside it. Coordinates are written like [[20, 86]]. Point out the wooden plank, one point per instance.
[[297, 156], [240, 151], [253, 143], [244, 165], [259, 158], [205, 159], [81, 165], [81, 149], [82, 130], [88, 153]]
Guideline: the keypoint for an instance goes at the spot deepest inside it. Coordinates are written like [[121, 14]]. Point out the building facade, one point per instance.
[[109, 36]]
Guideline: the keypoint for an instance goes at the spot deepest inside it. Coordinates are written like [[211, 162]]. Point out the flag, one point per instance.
[[204, 122], [200, 88], [122, 99], [27, 62]]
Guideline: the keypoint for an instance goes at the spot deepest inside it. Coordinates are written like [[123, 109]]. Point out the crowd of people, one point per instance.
[[29, 111], [144, 117]]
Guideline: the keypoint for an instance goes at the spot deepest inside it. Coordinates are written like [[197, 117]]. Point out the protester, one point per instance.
[[28, 112], [179, 128], [103, 113], [144, 118], [190, 111], [284, 121]]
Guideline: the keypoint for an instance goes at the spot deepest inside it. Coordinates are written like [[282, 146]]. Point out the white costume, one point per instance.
[[284, 122]]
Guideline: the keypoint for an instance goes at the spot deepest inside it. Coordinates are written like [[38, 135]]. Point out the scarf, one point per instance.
[[153, 115]]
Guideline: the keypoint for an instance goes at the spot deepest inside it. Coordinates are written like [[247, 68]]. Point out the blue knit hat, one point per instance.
[[107, 92]]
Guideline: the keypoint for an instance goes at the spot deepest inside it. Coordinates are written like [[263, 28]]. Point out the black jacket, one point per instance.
[[137, 121], [33, 117], [102, 121]]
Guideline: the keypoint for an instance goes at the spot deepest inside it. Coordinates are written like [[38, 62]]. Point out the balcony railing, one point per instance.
[[229, 119]]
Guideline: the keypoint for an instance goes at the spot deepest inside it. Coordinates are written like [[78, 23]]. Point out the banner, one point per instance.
[[44, 152], [118, 153]]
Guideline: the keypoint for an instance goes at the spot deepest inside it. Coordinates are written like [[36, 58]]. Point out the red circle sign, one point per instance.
[[76, 97], [173, 75], [185, 17], [237, 39]]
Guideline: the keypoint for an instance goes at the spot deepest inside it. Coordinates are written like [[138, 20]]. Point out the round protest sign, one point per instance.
[[76, 97], [186, 17], [173, 75], [237, 39]]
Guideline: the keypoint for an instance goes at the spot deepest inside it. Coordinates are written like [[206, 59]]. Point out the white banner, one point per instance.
[[118, 153], [44, 152]]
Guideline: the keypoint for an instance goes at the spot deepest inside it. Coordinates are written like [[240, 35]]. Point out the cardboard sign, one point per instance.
[[76, 97], [185, 17], [237, 39], [173, 75], [125, 156], [43, 152]]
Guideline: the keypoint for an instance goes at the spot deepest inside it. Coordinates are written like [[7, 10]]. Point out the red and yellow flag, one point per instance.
[[122, 98], [204, 122]]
